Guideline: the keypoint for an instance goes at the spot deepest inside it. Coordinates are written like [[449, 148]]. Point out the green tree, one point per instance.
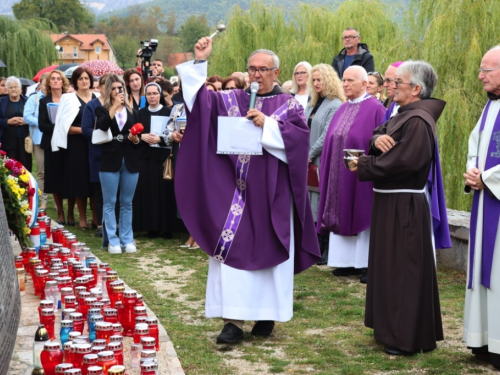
[[171, 21], [125, 50], [25, 47], [193, 29], [67, 15]]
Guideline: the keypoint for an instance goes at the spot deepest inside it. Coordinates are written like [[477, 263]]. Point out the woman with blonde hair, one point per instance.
[[376, 87], [300, 79], [120, 164], [327, 95]]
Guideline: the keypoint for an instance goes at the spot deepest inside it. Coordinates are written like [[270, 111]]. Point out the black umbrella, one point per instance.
[[64, 67], [2, 64], [26, 82]]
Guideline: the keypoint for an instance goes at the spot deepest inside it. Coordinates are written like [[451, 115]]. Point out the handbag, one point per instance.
[[100, 136], [313, 178], [28, 143], [168, 168]]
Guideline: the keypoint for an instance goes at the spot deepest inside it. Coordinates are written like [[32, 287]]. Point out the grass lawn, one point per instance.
[[325, 336]]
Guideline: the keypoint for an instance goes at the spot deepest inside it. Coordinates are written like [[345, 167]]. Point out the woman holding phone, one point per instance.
[[120, 164]]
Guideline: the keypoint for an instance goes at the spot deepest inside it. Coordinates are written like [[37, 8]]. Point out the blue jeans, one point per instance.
[[126, 181]]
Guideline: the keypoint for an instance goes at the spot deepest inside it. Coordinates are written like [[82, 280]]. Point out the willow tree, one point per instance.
[[310, 33], [25, 47], [453, 35]]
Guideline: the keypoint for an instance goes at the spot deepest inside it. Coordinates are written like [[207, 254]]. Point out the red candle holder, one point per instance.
[[103, 331], [48, 319], [148, 343], [141, 330], [62, 367], [117, 349], [78, 321], [106, 360], [149, 368], [89, 360], [45, 304], [51, 356], [95, 370], [111, 315], [79, 352], [127, 317]]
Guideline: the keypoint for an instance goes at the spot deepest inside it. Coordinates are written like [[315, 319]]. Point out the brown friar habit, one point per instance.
[[402, 299]]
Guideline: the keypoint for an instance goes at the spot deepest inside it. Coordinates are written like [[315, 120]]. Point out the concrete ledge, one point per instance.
[[456, 257]]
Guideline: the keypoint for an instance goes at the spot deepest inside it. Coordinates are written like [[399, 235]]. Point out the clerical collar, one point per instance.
[[492, 96], [360, 99], [154, 109], [275, 91]]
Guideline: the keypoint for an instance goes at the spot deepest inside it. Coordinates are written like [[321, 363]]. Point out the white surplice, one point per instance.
[[482, 305], [237, 294]]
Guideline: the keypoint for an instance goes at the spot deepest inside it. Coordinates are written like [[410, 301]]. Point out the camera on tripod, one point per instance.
[[149, 47]]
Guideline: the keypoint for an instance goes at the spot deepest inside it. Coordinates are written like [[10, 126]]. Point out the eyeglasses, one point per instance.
[[397, 83], [486, 70], [263, 71], [152, 93], [374, 74], [347, 37], [300, 73]]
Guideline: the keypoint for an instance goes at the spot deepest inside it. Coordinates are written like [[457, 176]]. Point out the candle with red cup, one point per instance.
[[51, 356]]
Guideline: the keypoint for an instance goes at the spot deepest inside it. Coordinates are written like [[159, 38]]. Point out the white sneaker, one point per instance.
[[114, 249], [130, 248]]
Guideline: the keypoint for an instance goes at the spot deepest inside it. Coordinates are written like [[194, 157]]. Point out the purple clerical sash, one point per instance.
[[491, 208], [239, 200]]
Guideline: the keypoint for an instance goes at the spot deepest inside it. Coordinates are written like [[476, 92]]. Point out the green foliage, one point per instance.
[[192, 30], [25, 47], [434, 30], [67, 15]]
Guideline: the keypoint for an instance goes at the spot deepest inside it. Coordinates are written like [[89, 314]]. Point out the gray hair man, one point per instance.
[[401, 259], [482, 300]]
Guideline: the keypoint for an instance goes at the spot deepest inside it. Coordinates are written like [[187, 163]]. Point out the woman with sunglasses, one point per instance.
[[120, 164], [300, 79], [376, 87]]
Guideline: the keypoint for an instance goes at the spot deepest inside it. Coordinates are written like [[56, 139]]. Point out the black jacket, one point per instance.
[[362, 58], [120, 147], [44, 124], [8, 133]]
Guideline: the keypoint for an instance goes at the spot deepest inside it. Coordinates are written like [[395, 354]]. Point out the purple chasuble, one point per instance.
[[237, 207], [387, 115], [345, 203], [491, 209]]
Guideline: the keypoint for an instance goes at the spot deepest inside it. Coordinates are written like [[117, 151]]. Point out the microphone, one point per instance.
[[254, 87], [137, 129]]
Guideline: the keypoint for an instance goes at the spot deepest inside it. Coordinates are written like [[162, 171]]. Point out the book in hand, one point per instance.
[[313, 178]]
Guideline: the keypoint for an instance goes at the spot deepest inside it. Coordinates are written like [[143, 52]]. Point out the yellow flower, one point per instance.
[[24, 177], [27, 230]]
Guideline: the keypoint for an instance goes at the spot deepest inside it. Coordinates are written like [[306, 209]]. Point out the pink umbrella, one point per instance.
[[101, 67]]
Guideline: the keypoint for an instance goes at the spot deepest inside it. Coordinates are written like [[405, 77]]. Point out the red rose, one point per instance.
[[10, 164], [2, 153], [31, 192], [19, 165]]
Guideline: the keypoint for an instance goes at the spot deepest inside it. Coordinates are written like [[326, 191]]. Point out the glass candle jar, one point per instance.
[[141, 330], [88, 361], [18, 261], [117, 349], [99, 342], [68, 352], [79, 351], [93, 320], [66, 312], [106, 360], [62, 367], [81, 297], [116, 338], [73, 371], [108, 279], [153, 331], [41, 276], [140, 302], [98, 349], [127, 313], [21, 279], [117, 329], [117, 370], [88, 303], [117, 295], [148, 356], [135, 355], [66, 328], [42, 254], [65, 292], [73, 336], [92, 311], [149, 368], [52, 292], [140, 319], [103, 330], [148, 343], [95, 370], [51, 356], [48, 320], [111, 315], [44, 304], [78, 322]]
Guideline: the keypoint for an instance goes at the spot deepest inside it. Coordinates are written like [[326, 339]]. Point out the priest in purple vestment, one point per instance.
[[345, 203], [250, 213]]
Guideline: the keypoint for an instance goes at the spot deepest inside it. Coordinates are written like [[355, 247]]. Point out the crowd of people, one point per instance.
[[377, 209]]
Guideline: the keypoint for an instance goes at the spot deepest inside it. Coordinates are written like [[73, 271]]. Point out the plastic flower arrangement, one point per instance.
[[17, 195]]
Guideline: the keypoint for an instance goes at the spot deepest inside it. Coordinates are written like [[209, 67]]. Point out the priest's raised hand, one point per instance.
[[203, 48]]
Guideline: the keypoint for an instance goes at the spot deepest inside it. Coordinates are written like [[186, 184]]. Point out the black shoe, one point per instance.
[[347, 271], [98, 232], [364, 276], [392, 350], [230, 334], [263, 328], [323, 246], [71, 223]]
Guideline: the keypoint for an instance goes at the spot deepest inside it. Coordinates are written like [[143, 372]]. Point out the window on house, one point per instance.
[[75, 51], [98, 49]]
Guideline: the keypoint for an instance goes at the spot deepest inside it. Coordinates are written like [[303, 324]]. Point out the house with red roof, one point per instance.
[[78, 48]]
